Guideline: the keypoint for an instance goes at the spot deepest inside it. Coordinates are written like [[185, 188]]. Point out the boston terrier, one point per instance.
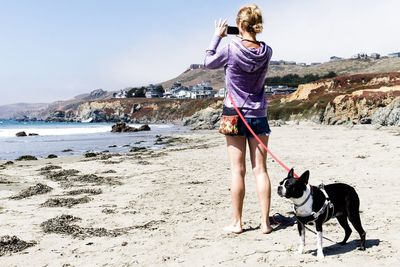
[[319, 204]]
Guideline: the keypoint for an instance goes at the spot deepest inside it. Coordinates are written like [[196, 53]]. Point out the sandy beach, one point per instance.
[[168, 206]]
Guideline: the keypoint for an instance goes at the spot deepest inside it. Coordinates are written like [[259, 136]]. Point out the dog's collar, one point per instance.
[[305, 201]]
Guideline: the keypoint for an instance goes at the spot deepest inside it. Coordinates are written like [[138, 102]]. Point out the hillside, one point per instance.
[[19, 110], [340, 67], [42, 110]]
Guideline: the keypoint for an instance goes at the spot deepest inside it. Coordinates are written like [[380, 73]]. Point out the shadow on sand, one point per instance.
[[336, 249]]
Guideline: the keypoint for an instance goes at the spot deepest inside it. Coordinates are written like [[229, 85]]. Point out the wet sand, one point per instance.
[[168, 206]]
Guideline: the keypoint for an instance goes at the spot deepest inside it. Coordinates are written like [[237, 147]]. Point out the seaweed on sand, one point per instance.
[[91, 191], [12, 244], [63, 225], [65, 202], [37, 189]]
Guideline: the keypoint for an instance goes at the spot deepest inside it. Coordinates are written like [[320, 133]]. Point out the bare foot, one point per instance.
[[266, 229], [233, 229]]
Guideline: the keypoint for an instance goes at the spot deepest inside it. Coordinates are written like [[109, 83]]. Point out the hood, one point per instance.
[[251, 59]]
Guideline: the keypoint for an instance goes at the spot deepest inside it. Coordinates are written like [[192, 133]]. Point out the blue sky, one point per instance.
[[54, 50]]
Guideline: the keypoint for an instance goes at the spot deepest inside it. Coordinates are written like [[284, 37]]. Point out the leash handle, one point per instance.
[[257, 138]]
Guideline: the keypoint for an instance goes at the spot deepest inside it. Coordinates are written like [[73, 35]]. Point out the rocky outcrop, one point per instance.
[[361, 105], [389, 115], [142, 110], [204, 119], [121, 127], [21, 134]]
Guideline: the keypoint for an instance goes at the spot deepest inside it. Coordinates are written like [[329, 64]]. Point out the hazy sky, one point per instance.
[[53, 50]]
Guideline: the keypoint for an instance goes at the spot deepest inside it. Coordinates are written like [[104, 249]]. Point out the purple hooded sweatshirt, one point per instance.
[[245, 72]]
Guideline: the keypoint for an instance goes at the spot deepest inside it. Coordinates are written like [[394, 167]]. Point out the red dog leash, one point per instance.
[[257, 138]]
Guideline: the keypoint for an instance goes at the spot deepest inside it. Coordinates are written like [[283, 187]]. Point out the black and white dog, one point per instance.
[[319, 204]]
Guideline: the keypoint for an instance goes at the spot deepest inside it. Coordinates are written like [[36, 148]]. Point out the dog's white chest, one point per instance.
[[303, 205]]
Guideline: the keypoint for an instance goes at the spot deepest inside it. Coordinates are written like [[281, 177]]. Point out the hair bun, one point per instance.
[[257, 28], [251, 18]]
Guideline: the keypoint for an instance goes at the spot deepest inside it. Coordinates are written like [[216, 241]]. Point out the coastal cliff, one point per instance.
[[352, 99], [142, 110]]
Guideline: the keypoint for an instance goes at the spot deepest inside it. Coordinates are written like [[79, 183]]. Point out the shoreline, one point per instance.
[[168, 207]]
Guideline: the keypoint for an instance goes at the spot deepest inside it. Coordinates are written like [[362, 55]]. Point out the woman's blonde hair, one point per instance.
[[251, 18]]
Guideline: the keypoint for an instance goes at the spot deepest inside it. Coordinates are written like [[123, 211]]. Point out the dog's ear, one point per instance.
[[304, 177], [291, 173]]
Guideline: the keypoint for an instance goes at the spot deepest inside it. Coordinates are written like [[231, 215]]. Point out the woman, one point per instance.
[[246, 62]]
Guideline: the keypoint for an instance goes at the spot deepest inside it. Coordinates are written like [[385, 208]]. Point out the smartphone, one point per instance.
[[232, 30]]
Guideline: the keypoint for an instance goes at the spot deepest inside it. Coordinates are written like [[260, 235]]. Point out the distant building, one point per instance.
[[121, 94], [360, 56], [375, 56], [202, 90], [302, 64], [279, 90], [397, 54], [153, 91], [221, 93], [335, 58], [196, 66]]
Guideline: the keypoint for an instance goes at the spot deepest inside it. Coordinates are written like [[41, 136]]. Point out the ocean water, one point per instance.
[[54, 137]]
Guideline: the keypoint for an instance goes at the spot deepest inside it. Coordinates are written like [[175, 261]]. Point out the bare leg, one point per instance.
[[237, 152], [258, 156]]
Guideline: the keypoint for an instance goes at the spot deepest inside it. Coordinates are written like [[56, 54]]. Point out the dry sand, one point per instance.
[[169, 207]]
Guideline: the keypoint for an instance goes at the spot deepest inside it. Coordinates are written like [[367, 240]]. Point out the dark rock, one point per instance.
[[204, 119], [145, 127], [67, 150], [90, 155], [8, 163], [52, 156], [26, 157], [138, 149], [113, 146], [21, 134], [121, 127], [365, 121], [33, 134]]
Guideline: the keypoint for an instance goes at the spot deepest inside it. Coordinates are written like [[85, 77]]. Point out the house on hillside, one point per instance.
[[221, 93], [121, 94], [397, 54], [335, 58], [279, 90], [375, 55], [180, 92], [360, 56], [202, 90], [153, 91], [196, 66]]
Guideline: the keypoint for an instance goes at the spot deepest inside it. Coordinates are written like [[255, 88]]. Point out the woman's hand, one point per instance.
[[220, 28]]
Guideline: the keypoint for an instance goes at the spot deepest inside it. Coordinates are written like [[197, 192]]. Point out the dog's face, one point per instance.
[[292, 187]]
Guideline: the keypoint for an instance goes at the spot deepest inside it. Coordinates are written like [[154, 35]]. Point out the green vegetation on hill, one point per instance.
[[294, 80]]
